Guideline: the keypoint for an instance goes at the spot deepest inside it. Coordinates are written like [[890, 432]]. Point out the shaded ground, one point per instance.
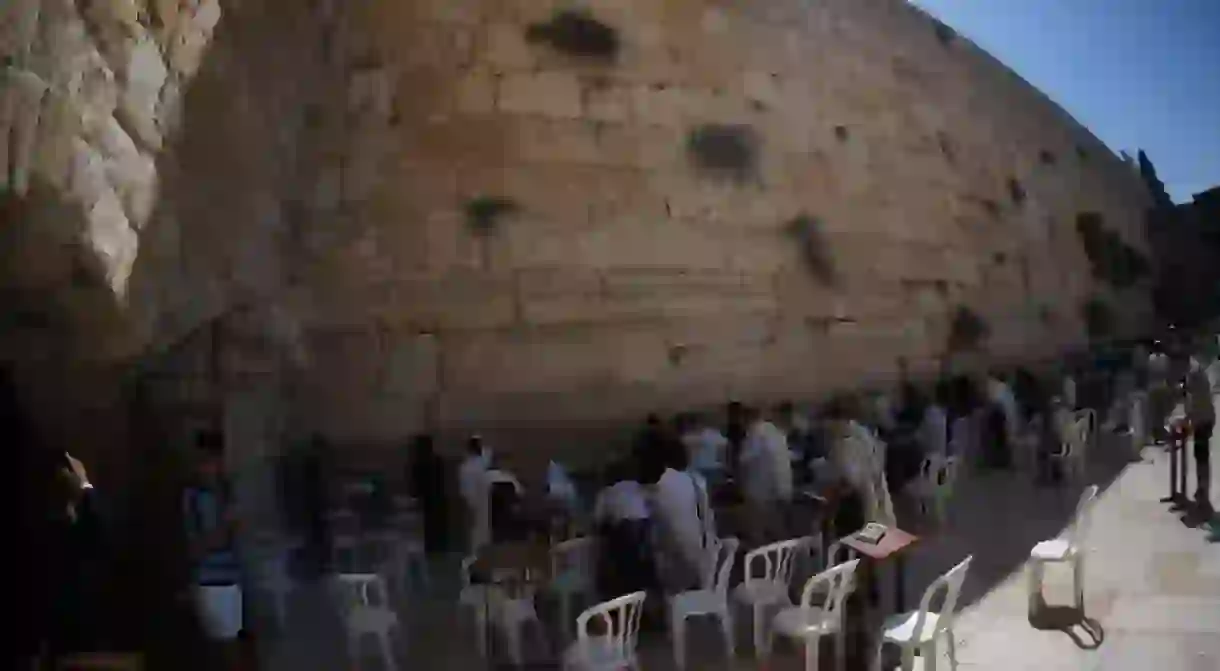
[[1152, 585]]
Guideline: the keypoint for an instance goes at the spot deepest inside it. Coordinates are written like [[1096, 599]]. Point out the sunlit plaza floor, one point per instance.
[[1152, 584]]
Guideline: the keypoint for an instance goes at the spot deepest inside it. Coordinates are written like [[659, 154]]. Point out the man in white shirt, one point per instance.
[[684, 525], [622, 501], [705, 445], [766, 469], [858, 456], [472, 485]]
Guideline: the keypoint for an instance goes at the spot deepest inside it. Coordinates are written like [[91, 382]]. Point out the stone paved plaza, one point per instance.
[[1152, 585]]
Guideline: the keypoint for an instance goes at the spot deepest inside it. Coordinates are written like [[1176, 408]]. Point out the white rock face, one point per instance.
[[87, 103]]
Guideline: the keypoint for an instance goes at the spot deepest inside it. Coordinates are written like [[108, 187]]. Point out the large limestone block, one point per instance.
[[548, 94], [145, 75], [21, 94], [60, 124], [455, 301], [563, 294], [553, 140], [108, 235], [644, 294], [505, 49], [550, 359], [412, 367], [644, 244]]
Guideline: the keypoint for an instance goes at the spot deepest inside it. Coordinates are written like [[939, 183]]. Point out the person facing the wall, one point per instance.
[[426, 475], [472, 482], [211, 523], [1202, 414], [766, 475]]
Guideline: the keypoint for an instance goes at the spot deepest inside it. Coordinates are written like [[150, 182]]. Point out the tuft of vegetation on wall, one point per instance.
[[944, 34], [484, 213], [724, 149], [1016, 191], [1112, 260], [815, 250], [967, 331], [575, 32]]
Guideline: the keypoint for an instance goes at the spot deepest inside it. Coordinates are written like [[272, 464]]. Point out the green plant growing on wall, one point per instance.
[[575, 32], [1111, 260], [944, 33], [724, 149], [1098, 318], [815, 250], [967, 331], [484, 213], [1016, 191]]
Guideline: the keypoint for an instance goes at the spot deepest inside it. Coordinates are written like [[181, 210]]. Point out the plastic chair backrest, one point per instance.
[[951, 583], [1081, 517], [726, 556], [575, 554], [1089, 417], [833, 585], [467, 562], [361, 590], [838, 553], [1082, 434], [946, 475], [620, 619], [927, 468], [778, 560]]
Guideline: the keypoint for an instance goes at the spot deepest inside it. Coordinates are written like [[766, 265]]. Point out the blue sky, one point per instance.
[[1140, 74]]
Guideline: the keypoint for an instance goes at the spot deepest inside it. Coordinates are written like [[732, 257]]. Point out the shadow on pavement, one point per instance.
[[1068, 620]]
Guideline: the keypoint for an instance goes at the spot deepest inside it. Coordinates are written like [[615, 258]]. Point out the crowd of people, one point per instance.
[[655, 507]]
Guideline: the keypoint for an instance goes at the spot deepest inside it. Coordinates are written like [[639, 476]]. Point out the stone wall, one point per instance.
[[316, 162], [626, 279]]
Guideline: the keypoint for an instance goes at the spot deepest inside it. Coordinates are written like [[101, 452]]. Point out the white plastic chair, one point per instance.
[[1090, 417], [1068, 548], [511, 613], [836, 554], [1073, 452], [934, 489], [918, 631], [614, 649], [1137, 422], [771, 588], [474, 598], [401, 554], [712, 599], [809, 622], [571, 574], [364, 606]]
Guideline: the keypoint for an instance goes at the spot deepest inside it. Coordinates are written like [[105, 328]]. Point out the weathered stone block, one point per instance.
[[549, 94], [506, 50], [457, 301], [606, 101], [553, 140], [476, 92]]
